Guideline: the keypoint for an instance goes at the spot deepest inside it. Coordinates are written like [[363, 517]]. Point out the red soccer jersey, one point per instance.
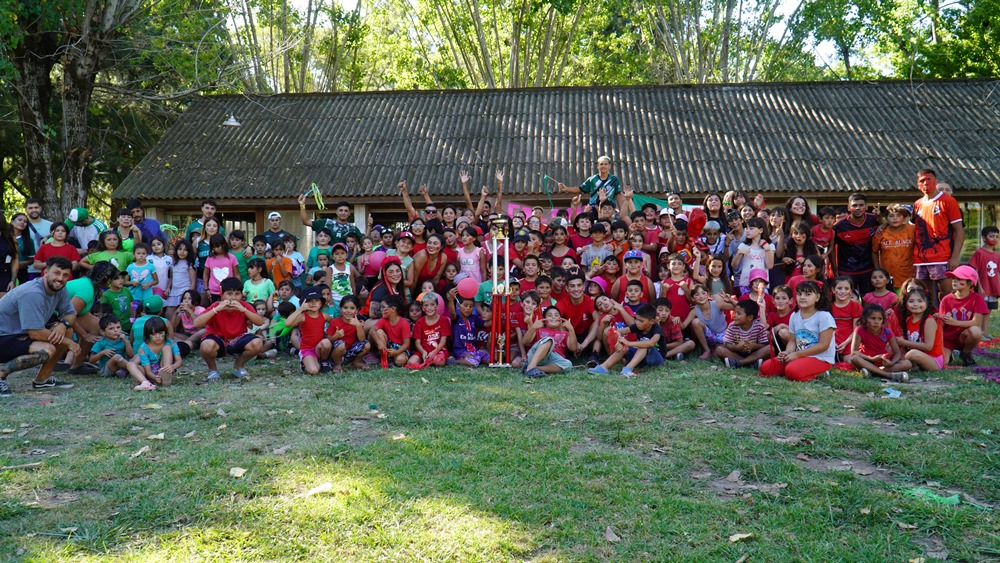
[[228, 325], [430, 335], [961, 310], [933, 218], [774, 318], [985, 262], [396, 333], [844, 317], [580, 316]]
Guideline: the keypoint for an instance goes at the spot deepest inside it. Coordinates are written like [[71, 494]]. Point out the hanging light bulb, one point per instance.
[[231, 122]]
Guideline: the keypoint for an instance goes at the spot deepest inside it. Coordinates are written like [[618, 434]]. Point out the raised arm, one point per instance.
[[423, 192], [303, 214], [407, 203], [499, 176], [463, 176], [483, 194]]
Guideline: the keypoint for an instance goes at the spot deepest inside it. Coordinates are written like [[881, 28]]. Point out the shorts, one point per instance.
[[155, 368], [940, 361], [352, 352], [308, 353], [13, 346], [551, 358], [953, 343], [234, 347], [933, 272], [106, 370], [991, 303], [473, 358], [653, 356], [715, 338]]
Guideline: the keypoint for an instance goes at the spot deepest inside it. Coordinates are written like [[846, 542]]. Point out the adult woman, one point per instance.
[[427, 265], [25, 245], [534, 223], [712, 205], [559, 247], [83, 293], [57, 246], [419, 231], [128, 233], [798, 210], [9, 260], [449, 215], [391, 284]]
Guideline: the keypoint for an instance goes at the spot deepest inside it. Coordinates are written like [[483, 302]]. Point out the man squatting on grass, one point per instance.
[[27, 338]]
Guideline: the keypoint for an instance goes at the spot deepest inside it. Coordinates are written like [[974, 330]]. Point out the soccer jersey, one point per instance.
[[985, 262], [933, 218], [854, 245], [895, 251]]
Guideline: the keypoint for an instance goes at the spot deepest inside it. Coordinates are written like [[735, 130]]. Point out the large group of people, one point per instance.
[[782, 289]]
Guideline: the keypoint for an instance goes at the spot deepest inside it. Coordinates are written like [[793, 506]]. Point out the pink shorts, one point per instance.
[[940, 361], [307, 353]]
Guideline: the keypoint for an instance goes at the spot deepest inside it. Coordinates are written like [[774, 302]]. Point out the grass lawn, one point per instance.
[[461, 465]]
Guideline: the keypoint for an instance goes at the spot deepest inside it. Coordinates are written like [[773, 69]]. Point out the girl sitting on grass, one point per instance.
[[811, 352], [157, 359], [874, 348], [922, 341]]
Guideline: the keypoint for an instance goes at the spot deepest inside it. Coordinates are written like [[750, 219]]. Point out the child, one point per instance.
[[187, 311], [413, 314], [648, 349], [352, 344], [822, 233], [543, 286], [236, 241], [322, 263], [778, 319], [633, 271], [986, 260], [257, 287], [141, 273], [846, 312], [922, 342], [756, 253], [811, 269], [465, 332], [269, 350], [182, 275], [812, 352], [553, 336], [472, 258], [391, 334], [323, 238], [279, 268], [226, 323], [260, 247], [314, 346], [364, 263], [707, 320], [758, 292], [892, 247], [298, 261], [883, 295], [163, 264], [120, 299], [112, 351], [673, 337], [432, 332], [284, 294], [798, 245], [340, 275], [746, 341], [962, 312], [874, 348], [219, 265], [157, 359]]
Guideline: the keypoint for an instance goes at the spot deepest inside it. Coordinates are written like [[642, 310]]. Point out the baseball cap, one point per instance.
[[758, 274], [337, 245], [152, 304], [76, 215], [273, 215], [599, 227], [520, 237], [632, 255], [666, 211], [964, 272], [405, 234], [311, 293]]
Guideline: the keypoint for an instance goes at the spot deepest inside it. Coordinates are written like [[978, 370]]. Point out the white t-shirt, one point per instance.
[[752, 261], [807, 333]]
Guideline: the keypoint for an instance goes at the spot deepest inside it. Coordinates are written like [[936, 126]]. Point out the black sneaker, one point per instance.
[[85, 368], [5, 388], [967, 359], [50, 383], [592, 362]]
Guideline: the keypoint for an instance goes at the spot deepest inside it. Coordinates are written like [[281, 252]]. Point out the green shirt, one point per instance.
[[258, 291], [82, 288], [120, 259], [196, 226], [595, 184], [338, 229], [121, 305], [241, 263]]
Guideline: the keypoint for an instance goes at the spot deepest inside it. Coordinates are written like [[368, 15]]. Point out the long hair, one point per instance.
[[26, 240], [7, 232], [823, 304]]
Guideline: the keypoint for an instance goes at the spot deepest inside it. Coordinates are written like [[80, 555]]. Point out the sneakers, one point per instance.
[[679, 357], [51, 383], [865, 372], [5, 388], [593, 363], [900, 376], [598, 370], [271, 354], [627, 372], [732, 363], [967, 359], [213, 376], [85, 368], [241, 373], [534, 373], [758, 364]]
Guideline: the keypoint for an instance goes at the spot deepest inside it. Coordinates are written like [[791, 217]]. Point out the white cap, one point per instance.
[[273, 215]]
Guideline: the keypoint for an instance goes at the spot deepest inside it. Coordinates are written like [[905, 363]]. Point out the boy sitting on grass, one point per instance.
[[647, 350], [555, 336], [746, 341], [112, 351], [226, 324]]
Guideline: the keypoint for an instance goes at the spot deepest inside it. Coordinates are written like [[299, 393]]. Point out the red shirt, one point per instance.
[[985, 262], [961, 310], [430, 335], [580, 316], [676, 292], [873, 344], [67, 251], [396, 333], [228, 325], [774, 319], [350, 331], [844, 317], [933, 218], [311, 330], [559, 338]]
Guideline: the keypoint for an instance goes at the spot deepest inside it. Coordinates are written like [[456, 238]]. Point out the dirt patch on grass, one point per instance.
[[49, 498], [362, 432], [933, 546], [860, 468], [733, 485]]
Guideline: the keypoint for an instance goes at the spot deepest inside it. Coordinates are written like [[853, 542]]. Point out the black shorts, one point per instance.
[[991, 303], [233, 347], [13, 346]]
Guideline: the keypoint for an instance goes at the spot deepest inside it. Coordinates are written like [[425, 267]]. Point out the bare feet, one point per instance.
[[144, 386], [705, 356]]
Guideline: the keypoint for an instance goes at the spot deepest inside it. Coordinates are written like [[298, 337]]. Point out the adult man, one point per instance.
[[84, 228], [208, 208], [150, 228], [274, 234], [37, 227], [940, 234], [339, 227], [852, 242], [25, 341], [604, 181], [579, 309]]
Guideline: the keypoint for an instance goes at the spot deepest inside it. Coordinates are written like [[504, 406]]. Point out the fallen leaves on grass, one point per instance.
[[734, 477], [141, 451], [739, 537], [905, 526], [399, 436], [237, 472], [152, 406], [611, 536], [803, 457], [324, 488], [932, 421], [190, 434], [221, 413], [159, 436], [866, 511], [282, 450]]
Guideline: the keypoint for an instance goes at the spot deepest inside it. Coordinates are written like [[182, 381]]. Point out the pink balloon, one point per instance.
[[468, 288], [376, 259]]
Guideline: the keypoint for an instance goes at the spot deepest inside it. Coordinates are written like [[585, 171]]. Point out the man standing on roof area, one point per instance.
[[38, 227], [604, 181], [339, 227], [275, 234], [940, 234], [150, 228]]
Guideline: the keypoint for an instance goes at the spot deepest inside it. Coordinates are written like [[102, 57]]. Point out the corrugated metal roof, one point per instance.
[[795, 137]]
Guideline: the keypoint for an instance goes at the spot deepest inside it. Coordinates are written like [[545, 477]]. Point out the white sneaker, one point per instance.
[[271, 354]]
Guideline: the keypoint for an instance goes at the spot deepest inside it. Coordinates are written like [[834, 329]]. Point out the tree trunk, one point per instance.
[[34, 59]]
